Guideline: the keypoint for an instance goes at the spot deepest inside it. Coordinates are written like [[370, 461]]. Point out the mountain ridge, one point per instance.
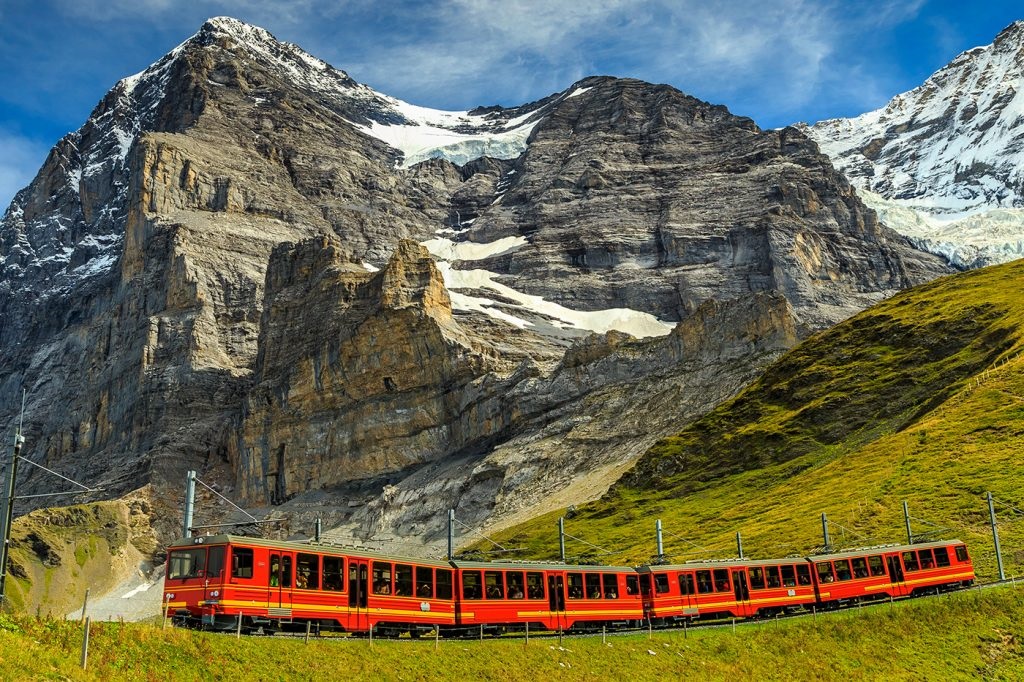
[[948, 151], [634, 210]]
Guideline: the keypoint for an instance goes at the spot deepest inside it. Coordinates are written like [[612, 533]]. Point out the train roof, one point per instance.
[[540, 566], [883, 549], [862, 551], [300, 546], [721, 563]]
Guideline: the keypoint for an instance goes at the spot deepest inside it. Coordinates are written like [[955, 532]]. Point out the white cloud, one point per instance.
[[20, 159]]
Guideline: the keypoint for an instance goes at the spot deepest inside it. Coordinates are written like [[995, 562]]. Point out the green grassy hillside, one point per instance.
[[960, 636], [920, 398], [56, 553]]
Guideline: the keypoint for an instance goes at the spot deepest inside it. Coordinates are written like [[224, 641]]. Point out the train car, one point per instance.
[[507, 597], [215, 581], [891, 571], [736, 588]]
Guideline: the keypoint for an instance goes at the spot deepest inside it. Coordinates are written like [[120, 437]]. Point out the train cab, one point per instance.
[[507, 597], [223, 582]]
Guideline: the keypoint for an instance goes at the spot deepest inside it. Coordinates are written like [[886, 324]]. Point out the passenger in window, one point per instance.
[[302, 580], [382, 587], [275, 568], [423, 591]]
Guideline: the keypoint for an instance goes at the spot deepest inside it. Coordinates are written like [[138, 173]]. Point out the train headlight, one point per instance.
[[170, 596], [215, 593]]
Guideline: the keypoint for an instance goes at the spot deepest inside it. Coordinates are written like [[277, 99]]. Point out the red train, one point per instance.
[[225, 581]]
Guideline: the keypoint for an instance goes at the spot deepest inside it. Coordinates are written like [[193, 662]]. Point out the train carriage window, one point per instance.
[[772, 572], [574, 583], [187, 563], [334, 573], [610, 582], [307, 571], [704, 585], [825, 574], [274, 572], [471, 585], [910, 561], [877, 565], [941, 556], [756, 576], [515, 585], [444, 583], [788, 576], [860, 567], [722, 580], [961, 553], [286, 571], [927, 560], [686, 585], [843, 571], [381, 577], [241, 562], [494, 586], [803, 574], [632, 584], [660, 583], [403, 581], [534, 585], [593, 585], [424, 582], [215, 562]]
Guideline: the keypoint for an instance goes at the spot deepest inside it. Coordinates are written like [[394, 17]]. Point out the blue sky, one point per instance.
[[777, 61]]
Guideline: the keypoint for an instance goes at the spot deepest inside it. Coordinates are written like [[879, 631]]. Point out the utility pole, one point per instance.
[[995, 536], [8, 506], [451, 534], [661, 543], [561, 537], [739, 544], [906, 520], [824, 532], [190, 501]]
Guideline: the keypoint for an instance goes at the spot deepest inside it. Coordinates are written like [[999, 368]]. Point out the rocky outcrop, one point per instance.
[[358, 374]]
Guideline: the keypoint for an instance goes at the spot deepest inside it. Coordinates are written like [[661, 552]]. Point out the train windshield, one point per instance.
[[187, 563]]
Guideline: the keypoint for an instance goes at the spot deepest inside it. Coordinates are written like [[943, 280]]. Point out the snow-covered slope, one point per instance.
[[951, 151]]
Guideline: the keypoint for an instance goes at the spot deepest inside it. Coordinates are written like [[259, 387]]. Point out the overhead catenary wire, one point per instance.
[[85, 488], [200, 482]]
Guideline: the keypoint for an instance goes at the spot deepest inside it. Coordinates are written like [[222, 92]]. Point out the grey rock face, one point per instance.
[[638, 196], [188, 284]]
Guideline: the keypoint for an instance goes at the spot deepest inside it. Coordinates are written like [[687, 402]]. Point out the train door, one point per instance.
[[281, 577], [892, 562], [556, 599], [741, 590], [358, 589]]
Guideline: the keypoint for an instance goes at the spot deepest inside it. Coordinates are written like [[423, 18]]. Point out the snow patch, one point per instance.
[[633, 322], [448, 250]]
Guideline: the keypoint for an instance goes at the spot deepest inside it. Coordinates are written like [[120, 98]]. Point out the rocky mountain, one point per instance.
[[330, 301], [944, 160]]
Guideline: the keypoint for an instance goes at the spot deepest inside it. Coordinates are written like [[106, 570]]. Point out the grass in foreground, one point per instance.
[[959, 636]]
